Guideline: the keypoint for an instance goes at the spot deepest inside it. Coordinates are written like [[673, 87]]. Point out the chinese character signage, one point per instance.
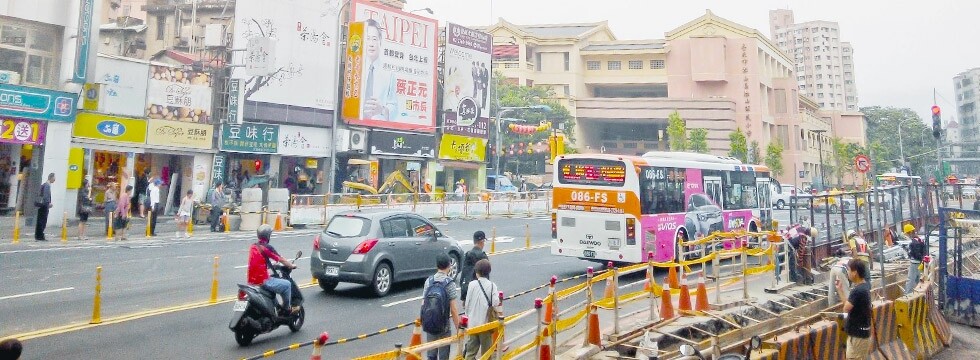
[[20, 131], [178, 134], [303, 56], [178, 94], [304, 141], [107, 127], [37, 104], [235, 113], [121, 86], [462, 148], [467, 77], [83, 41], [395, 143], [250, 138], [396, 69], [218, 169]]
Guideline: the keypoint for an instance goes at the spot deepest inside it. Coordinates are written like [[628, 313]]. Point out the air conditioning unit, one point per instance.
[[9, 77], [351, 140], [214, 35]]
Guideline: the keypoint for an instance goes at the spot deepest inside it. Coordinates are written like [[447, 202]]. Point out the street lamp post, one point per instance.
[[501, 111], [823, 178]]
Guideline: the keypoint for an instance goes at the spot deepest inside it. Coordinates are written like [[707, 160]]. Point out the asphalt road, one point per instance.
[[54, 286]]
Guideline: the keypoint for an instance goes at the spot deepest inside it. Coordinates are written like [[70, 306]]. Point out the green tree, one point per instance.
[[755, 154], [916, 139], [774, 158], [738, 148], [676, 132], [697, 140]]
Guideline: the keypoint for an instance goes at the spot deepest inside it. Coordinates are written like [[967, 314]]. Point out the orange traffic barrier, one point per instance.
[[684, 303], [278, 226], [672, 277], [701, 303], [318, 346], [666, 306], [545, 345], [593, 335], [416, 338], [549, 308]]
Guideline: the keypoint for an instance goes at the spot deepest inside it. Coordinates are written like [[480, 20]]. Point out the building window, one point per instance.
[[567, 89], [592, 65], [614, 65], [819, 67], [657, 64], [636, 64], [820, 95], [161, 26], [31, 50], [819, 86]]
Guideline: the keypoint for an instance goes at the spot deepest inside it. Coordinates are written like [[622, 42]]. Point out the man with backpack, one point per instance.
[[439, 307], [469, 262]]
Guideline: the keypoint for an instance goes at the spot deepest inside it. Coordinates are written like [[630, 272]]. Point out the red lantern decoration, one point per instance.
[[521, 151]]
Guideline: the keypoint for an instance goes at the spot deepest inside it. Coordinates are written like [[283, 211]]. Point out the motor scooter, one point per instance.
[[257, 311], [690, 351]]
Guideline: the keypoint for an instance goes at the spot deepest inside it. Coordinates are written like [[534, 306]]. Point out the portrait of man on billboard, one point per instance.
[[378, 87]]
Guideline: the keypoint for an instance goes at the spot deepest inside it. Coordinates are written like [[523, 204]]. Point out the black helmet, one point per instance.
[[264, 233]]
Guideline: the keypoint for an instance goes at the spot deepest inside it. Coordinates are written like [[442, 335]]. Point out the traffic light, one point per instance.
[[937, 122]]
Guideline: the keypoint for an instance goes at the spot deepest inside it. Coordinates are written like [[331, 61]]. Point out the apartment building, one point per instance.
[[967, 88], [824, 63]]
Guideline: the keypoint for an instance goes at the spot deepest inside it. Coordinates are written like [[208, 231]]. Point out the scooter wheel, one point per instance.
[[244, 337], [298, 320]]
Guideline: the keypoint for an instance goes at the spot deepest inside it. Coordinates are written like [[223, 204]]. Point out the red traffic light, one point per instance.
[[258, 165], [935, 110]]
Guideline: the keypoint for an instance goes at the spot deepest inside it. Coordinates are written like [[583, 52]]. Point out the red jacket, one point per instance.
[[258, 270]]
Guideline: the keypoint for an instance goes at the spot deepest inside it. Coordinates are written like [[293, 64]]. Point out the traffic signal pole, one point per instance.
[[937, 132]]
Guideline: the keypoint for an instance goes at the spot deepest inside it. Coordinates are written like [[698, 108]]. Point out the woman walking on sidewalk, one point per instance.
[[480, 308], [84, 208], [109, 204], [121, 220], [184, 214]]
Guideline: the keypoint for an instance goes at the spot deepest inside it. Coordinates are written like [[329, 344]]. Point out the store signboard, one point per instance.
[[175, 93], [218, 169], [179, 134], [304, 141], [393, 64], [462, 148], [119, 87], [83, 41], [36, 104], [404, 144], [21, 131], [249, 138], [76, 166], [467, 67], [107, 127], [302, 35]]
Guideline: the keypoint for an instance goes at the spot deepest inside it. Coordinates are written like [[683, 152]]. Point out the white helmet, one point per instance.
[[850, 233]]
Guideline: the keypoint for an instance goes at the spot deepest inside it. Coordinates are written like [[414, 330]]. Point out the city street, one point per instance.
[[144, 277]]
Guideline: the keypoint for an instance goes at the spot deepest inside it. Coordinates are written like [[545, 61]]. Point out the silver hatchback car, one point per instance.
[[378, 248]]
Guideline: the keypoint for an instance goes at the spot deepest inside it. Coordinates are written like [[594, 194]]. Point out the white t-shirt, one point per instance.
[[476, 303], [154, 195]]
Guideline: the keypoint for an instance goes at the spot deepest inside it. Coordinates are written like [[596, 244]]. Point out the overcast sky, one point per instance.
[[903, 48]]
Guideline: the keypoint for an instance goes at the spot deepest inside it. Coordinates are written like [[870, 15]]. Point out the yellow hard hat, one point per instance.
[[908, 228], [814, 232]]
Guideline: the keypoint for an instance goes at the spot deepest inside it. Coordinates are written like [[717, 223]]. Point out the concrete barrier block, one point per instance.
[[251, 195], [251, 207], [278, 195], [250, 222]]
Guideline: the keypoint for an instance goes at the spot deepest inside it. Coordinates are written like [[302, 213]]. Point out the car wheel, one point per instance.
[[297, 322], [244, 337], [453, 265], [327, 285], [780, 204], [381, 281]]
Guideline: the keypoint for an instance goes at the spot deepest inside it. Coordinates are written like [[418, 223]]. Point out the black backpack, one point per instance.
[[435, 307]]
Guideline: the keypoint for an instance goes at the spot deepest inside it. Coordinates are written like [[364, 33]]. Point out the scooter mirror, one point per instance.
[[756, 342], [687, 350], [299, 254]]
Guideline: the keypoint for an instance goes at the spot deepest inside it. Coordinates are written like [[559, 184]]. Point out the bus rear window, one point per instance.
[[591, 172]]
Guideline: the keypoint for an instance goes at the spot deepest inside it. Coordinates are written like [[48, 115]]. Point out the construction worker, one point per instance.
[[858, 246], [799, 237], [917, 252]]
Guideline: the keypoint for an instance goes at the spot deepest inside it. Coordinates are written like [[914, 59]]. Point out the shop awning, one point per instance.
[[461, 164]]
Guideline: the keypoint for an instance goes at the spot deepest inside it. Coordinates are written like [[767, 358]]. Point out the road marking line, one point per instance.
[[402, 301], [35, 293]]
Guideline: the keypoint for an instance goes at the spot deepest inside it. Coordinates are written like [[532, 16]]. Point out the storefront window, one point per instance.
[[30, 50]]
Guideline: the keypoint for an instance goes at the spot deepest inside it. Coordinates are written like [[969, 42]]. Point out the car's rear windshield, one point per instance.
[[348, 226]]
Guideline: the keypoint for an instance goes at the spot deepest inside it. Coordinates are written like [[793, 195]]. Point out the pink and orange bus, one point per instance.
[[620, 208]]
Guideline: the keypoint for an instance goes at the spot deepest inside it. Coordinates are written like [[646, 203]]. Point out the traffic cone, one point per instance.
[[646, 284], [318, 346], [416, 338], [701, 303], [666, 306], [608, 294], [549, 312], [684, 303], [545, 345], [593, 336], [672, 277], [278, 226]]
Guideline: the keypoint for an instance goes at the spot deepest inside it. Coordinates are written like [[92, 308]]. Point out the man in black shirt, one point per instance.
[[857, 311], [467, 272]]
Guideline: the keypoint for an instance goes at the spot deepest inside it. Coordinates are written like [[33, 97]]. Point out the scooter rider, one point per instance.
[[260, 257]]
